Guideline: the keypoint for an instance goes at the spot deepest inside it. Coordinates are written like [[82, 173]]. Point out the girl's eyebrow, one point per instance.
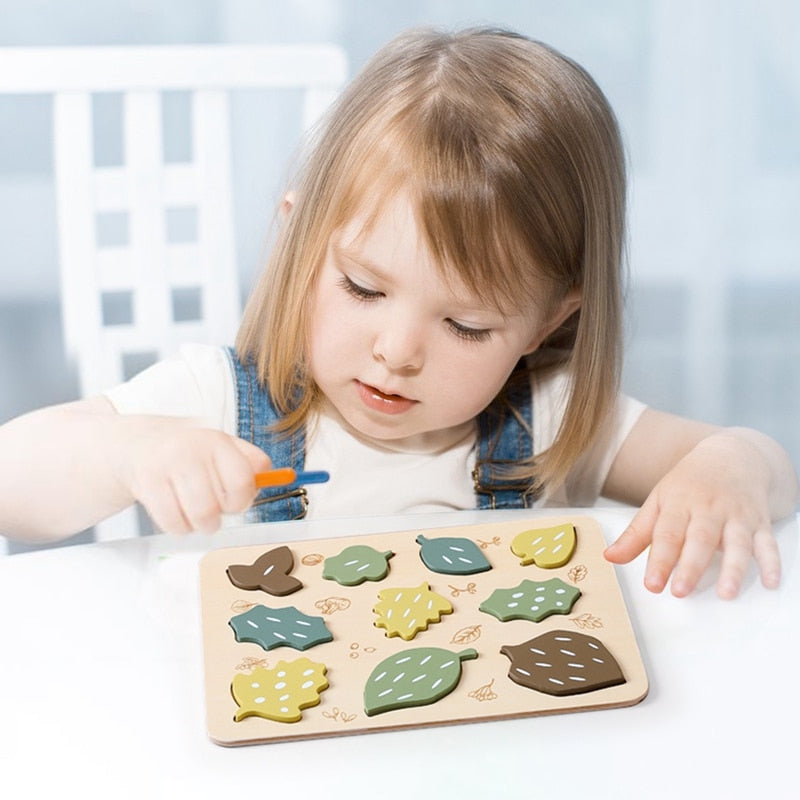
[[341, 251]]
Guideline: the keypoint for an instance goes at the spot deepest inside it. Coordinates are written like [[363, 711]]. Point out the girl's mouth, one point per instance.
[[377, 400]]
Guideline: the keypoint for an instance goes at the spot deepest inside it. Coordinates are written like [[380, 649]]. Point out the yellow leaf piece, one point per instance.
[[279, 694], [405, 612], [548, 548]]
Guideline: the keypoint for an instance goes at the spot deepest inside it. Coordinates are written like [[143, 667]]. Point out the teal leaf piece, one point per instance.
[[356, 564], [451, 555], [415, 677], [531, 600], [274, 627]]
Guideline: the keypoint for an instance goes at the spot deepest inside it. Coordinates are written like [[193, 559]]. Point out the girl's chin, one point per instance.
[[380, 430]]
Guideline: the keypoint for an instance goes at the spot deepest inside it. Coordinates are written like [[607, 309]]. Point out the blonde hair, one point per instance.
[[512, 157]]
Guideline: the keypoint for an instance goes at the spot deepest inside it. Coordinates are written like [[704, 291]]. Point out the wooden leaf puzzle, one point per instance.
[[400, 630]]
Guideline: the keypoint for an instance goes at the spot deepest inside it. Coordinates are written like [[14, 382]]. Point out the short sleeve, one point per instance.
[[587, 477], [196, 383]]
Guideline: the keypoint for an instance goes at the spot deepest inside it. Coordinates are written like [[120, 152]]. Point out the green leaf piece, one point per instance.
[[531, 600], [356, 564], [274, 627], [451, 555], [415, 677]]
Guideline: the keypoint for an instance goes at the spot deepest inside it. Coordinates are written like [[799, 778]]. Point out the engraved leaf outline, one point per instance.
[[485, 692], [330, 605], [587, 621], [337, 714], [471, 633], [578, 573]]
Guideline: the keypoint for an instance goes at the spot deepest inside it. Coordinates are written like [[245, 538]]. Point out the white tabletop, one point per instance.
[[101, 691]]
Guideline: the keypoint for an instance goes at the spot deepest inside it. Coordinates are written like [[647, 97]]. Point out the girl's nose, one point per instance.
[[399, 347]]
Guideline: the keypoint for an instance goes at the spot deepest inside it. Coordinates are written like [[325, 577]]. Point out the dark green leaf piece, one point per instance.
[[274, 627]]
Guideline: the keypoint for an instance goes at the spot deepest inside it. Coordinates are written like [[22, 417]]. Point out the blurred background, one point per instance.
[[708, 96]]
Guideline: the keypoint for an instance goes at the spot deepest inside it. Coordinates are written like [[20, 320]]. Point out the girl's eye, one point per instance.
[[469, 334], [359, 292]]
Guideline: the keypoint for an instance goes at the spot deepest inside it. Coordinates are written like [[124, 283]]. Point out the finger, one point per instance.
[[737, 552], [669, 533], [636, 537], [258, 459], [234, 478], [704, 534], [768, 557], [197, 500], [164, 509]]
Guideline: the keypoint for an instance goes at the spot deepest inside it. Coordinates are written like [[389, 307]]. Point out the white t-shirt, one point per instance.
[[367, 478]]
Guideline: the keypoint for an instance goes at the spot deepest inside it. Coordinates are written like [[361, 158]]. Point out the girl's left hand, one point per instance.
[[720, 495]]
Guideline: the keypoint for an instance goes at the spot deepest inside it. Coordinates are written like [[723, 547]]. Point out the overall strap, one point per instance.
[[504, 440], [255, 415]]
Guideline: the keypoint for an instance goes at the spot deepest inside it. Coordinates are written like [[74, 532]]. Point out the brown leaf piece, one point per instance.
[[563, 663], [269, 573]]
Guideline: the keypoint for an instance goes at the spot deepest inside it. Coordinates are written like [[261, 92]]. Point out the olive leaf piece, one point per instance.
[[548, 548], [281, 693], [404, 612]]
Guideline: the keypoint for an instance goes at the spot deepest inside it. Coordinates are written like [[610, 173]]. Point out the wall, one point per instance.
[[708, 96]]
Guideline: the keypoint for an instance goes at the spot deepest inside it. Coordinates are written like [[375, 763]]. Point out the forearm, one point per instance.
[[57, 471], [660, 441], [783, 490]]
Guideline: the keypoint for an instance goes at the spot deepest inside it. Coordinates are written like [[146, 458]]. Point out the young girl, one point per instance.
[[438, 327]]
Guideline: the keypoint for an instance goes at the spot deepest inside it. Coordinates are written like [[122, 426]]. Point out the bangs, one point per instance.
[[483, 183], [462, 207], [481, 134]]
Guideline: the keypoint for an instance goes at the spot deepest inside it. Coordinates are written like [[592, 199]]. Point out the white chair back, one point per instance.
[[147, 249]]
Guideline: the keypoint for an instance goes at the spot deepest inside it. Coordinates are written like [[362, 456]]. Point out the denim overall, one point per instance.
[[502, 441]]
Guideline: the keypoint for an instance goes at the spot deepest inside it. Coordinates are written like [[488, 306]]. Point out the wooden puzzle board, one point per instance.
[[484, 690]]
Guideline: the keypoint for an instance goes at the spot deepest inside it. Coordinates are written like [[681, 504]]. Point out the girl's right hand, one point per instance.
[[186, 476], [65, 468]]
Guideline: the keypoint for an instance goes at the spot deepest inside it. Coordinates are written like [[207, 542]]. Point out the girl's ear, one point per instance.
[[569, 304], [287, 204]]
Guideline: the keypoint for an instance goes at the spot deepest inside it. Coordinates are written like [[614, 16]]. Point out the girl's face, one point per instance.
[[398, 350]]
